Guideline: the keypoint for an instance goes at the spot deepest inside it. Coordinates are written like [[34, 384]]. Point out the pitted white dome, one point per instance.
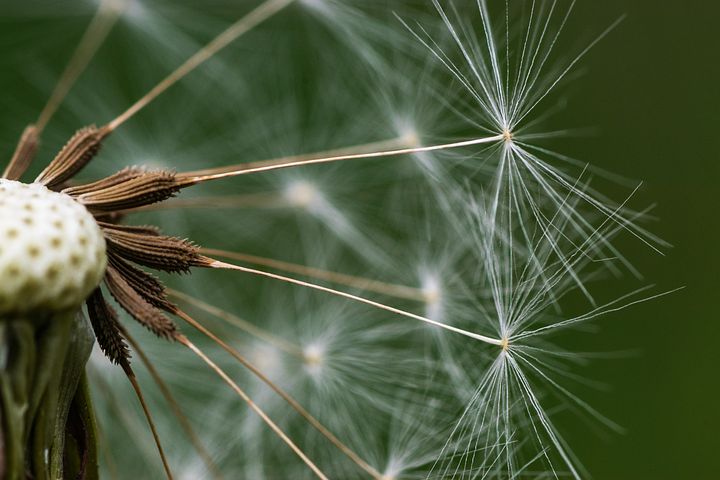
[[52, 252]]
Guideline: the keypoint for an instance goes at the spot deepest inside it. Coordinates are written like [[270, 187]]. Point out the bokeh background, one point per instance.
[[652, 90], [649, 94]]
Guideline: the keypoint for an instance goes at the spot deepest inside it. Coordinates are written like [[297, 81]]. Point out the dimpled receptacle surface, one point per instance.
[[52, 252]]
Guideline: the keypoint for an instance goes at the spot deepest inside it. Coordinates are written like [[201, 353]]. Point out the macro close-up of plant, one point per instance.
[[382, 239]]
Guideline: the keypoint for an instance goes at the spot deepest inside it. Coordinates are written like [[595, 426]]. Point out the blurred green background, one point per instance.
[[651, 91]]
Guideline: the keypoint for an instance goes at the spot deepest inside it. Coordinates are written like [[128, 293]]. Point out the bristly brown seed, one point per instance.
[[138, 307], [77, 152], [170, 254], [107, 328], [150, 230], [144, 283], [116, 178], [137, 189], [24, 153]]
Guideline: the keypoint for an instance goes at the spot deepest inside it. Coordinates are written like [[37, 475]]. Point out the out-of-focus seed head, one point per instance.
[[52, 252]]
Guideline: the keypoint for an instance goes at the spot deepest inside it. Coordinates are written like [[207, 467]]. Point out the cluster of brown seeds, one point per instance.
[[125, 249]]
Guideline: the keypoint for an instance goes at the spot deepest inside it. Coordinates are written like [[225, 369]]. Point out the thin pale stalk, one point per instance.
[[264, 11], [376, 286], [133, 428], [229, 266], [275, 428], [23, 155], [405, 141], [177, 411], [269, 165], [254, 330], [285, 396], [96, 33], [94, 36], [138, 392]]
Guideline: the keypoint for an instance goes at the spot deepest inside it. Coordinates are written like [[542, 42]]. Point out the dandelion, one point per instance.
[[433, 360]]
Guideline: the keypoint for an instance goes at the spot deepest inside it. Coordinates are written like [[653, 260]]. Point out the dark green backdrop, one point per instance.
[[654, 91]]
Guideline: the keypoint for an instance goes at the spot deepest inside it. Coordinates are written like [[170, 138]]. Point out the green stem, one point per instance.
[[52, 346], [17, 361], [42, 363], [81, 342]]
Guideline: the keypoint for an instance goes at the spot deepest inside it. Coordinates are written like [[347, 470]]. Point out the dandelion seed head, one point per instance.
[[303, 194], [266, 358], [507, 135], [314, 358], [311, 199], [395, 467], [389, 474], [406, 128], [52, 252], [432, 291], [193, 469]]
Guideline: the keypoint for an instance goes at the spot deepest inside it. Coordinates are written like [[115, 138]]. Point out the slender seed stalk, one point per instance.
[[250, 328], [273, 426], [177, 411], [156, 437], [367, 284], [97, 31], [107, 14], [285, 396], [476, 336], [270, 165], [401, 142], [237, 29]]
